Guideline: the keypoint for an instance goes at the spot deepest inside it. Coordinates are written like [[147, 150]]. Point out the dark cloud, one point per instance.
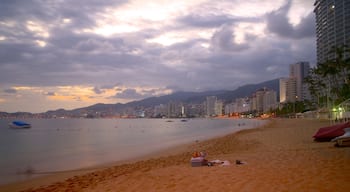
[[278, 23], [110, 86], [306, 28], [50, 93], [93, 44], [79, 11], [64, 60], [11, 91], [200, 21], [75, 57], [97, 90], [129, 94], [15, 8], [210, 21], [267, 59], [174, 88], [223, 40]]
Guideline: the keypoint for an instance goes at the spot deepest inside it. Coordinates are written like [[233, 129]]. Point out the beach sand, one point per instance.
[[280, 156]]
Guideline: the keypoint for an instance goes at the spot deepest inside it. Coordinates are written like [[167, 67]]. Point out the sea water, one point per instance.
[[54, 145]]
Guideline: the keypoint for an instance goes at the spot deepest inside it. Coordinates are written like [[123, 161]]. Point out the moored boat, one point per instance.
[[19, 125]]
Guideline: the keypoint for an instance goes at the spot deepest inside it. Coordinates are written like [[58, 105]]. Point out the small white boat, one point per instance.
[[19, 125]]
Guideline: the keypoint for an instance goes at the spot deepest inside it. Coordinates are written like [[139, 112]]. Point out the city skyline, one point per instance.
[[70, 55]]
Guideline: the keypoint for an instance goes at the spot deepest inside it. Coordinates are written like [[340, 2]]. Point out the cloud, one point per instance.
[[93, 44], [98, 90], [210, 21], [188, 46], [50, 93], [129, 94], [11, 91], [279, 23], [224, 40]]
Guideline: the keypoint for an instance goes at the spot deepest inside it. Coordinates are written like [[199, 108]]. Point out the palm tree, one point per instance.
[[342, 65], [315, 85], [330, 80]]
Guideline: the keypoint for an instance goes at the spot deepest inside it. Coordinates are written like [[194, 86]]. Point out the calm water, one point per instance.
[[64, 144]]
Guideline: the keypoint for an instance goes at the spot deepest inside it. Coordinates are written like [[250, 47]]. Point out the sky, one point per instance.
[[71, 54]]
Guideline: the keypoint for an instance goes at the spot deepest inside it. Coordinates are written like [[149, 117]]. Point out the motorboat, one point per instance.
[[19, 125]]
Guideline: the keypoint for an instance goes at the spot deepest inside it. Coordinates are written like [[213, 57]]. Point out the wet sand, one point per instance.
[[280, 156]]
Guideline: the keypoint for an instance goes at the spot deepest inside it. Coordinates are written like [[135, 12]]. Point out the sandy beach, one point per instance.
[[280, 156]]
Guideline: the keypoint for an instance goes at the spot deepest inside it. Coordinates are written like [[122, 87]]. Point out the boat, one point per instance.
[[19, 125], [330, 132]]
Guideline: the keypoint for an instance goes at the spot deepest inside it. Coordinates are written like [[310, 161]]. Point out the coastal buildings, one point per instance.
[[294, 88], [264, 100], [214, 107], [332, 27], [195, 110], [219, 108], [210, 105], [299, 71], [241, 105], [283, 89], [176, 109], [261, 101]]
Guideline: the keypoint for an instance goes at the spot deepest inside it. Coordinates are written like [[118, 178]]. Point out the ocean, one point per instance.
[[54, 145]]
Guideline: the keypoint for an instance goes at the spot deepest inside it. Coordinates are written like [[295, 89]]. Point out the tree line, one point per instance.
[[329, 82]]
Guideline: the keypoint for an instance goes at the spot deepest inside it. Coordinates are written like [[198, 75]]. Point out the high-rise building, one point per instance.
[[294, 87], [291, 90], [283, 89], [263, 100], [299, 71], [332, 27], [174, 109], [288, 90], [241, 105], [210, 105], [219, 107]]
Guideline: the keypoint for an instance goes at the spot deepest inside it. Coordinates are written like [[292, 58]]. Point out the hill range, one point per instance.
[[184, 97], [227, 96]]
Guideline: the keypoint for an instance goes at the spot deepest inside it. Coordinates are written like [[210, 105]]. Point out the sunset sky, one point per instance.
[[70, 54]]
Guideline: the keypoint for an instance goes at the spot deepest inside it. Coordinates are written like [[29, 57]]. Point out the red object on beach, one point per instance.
[[330, 132]]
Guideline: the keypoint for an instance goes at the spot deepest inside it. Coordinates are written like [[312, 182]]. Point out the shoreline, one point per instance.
[[41, 179], [115, 149], [281, 153]]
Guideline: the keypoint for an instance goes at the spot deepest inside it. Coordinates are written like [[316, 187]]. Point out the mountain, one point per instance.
[[248, 90], [199, 97], [184, 97]]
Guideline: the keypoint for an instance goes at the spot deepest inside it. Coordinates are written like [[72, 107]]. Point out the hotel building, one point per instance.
[[293, 88], [332, 27]]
